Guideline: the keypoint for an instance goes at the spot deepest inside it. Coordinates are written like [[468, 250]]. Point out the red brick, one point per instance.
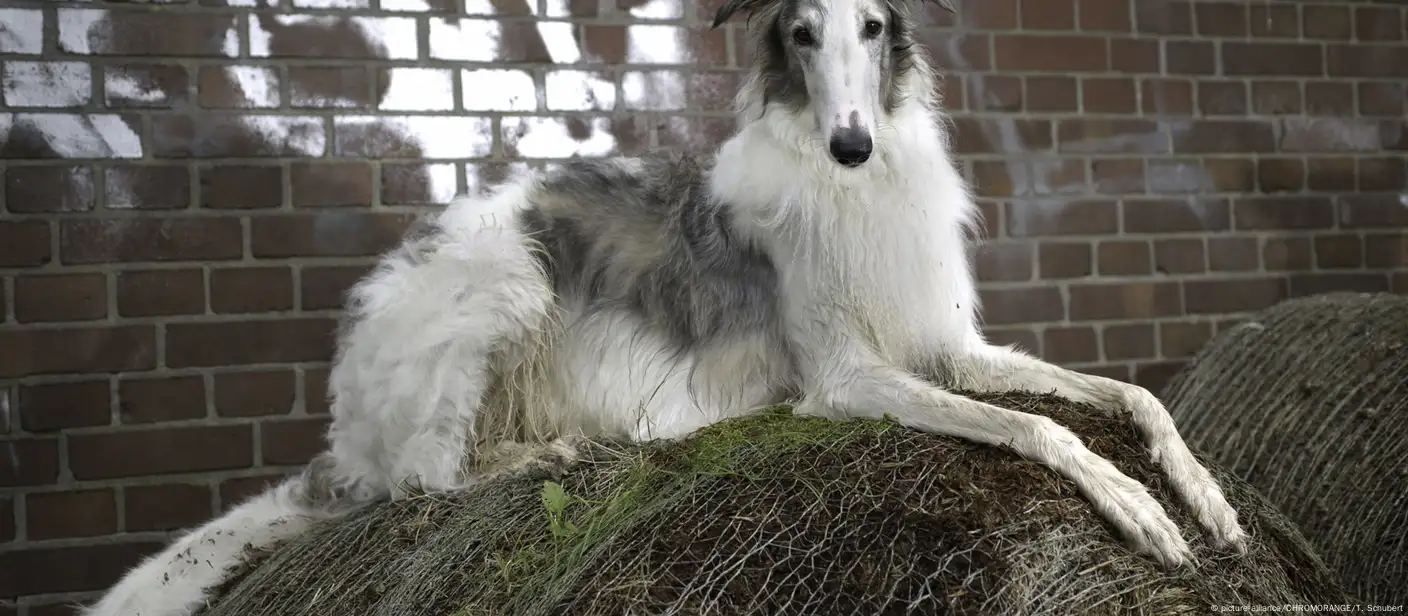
[[183, 450], [293, 442], [1111, 136], [148, 33], [1135, 55], [236, 491], [161, 399], [1109, 95], [1240, 295], [1042, 219], [326, 288], [1058, 260], [358, 234], [332, 184], [1179, 256], [1339, 252], [1327, 22], [165, 507], [251, 289], [150, 239], [1106, 15], [1175, 216], [1167, 17], [249, 342], [1225, 136], [1265, 213], [49, 189], [1167, 96], [1378, 23], [43, 570], [970, 135], [56, 406], [24, 243], [1120, 176], [1098, 302], [7, 521], [147, 187], [1048, 14], [32, 462], [250, 394], [1129, 341], [77, 350], [1286, 253], [315, 391], [1183, 339], [996, 93], [1331, 174], [1004, 261], [1190, 57], [1029, 305], [1354, 282], [160, 292], [1069, 345], [1050, 53], [345, 87], [243, 187], [61, 297], [1265, 59], [1223, 97], [78, 513], [1276, 97], [1124, 258], [1233, 254], [1052, 93]]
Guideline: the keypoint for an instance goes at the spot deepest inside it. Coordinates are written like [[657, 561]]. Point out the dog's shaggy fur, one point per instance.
[[819, 257]]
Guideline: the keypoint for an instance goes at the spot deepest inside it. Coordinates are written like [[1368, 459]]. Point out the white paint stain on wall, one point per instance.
[[550, 138], [578, 91], [46, 84], [80, 136], [21, 31], [498, 90], [437, 136], [259, 84], [419, 89], [466, 40]]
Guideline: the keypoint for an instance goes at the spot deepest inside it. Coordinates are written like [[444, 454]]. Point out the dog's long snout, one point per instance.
[[851, 146]]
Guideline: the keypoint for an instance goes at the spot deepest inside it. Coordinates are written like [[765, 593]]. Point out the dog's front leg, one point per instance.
[[994, 368], [852, 383]]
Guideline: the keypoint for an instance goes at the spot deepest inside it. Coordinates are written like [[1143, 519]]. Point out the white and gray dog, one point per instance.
[[818, 257]]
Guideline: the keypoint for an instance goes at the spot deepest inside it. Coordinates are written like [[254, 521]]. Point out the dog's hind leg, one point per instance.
[[415, 360], [994, 368]]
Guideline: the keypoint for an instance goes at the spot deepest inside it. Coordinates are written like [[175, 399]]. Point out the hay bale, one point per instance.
[[780, 514], [1308, 402]]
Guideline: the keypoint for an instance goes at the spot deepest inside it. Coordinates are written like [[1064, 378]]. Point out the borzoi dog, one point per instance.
[[818, 257]]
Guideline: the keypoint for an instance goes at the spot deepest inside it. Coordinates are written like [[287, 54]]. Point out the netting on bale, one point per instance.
[[1308, 401], [781, 514]]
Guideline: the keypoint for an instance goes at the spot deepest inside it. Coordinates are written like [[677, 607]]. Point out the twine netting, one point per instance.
[[780, 514], [1308, 401]]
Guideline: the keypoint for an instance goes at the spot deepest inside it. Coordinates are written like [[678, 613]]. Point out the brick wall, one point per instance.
[[190, 185]]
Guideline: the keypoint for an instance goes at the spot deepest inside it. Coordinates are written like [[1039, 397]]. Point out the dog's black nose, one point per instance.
[[851, 146]]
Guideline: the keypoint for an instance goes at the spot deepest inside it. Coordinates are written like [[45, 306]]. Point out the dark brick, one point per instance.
[[1268, 21], [1135, 55], [1333, 174], [1176, 216], [1168, 17], [149, 33], [251, 289], [1286, 254], [32, 462], [315, 391], [1004, 261], [1347, 60], [1179, 256], [1241, 295], [77, 513], [1111, 136], [1386, 251], [1234, 175], [1233, 254], [150, 239], [242, 187], [7, 523], [1190, 57], [1378, 23], [1302, 285], [147, 187], [1041, 219], [1109, 95], [1052, 93], [1225, 136], [325, 288], [146, 85], [1129, 341], [1183, 339], [1280, 174], [1107, 15], [1050, 53], [1223, 97], [77, 350], [357, 234], [1265, 213], [161, 399], [165, 507], [1382, 98], [1124, 258], [1276, 97], [24, 243], [61, 297], [344, 87], [1367, 210], [1070, 345], [1098, 302], [64, 405], [1221, 19], [1120, 176], [42, 570], [183, 450], [1327, 22], [56, 189], [160, 292], [1387, 173], [997, 93], [1155, 376], [251, 394], [1064, 260], [1329, 98], [1029, 305], [332, 184], [976, 135], [235, 491], [1266, 59], [1048, 14], [293, 442], [249, 342], [1339, 251]]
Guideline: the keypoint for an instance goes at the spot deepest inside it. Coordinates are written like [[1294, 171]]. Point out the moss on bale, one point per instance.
[[781, 514], [1308, 401]]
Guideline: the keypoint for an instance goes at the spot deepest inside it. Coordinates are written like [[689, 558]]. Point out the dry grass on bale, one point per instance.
[[780, 514], [1308, 401]]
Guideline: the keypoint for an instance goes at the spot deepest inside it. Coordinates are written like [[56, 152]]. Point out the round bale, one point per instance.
[[1308, 402], [781, 514]]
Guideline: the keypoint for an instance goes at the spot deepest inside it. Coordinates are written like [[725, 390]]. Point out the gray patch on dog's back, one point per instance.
[[644, 235]]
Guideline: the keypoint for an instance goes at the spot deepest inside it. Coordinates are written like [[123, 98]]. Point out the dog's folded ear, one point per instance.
[[946, 5], [733, 6]]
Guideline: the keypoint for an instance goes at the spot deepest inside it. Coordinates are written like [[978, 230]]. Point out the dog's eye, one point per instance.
[[802, 37], [873, 28]]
